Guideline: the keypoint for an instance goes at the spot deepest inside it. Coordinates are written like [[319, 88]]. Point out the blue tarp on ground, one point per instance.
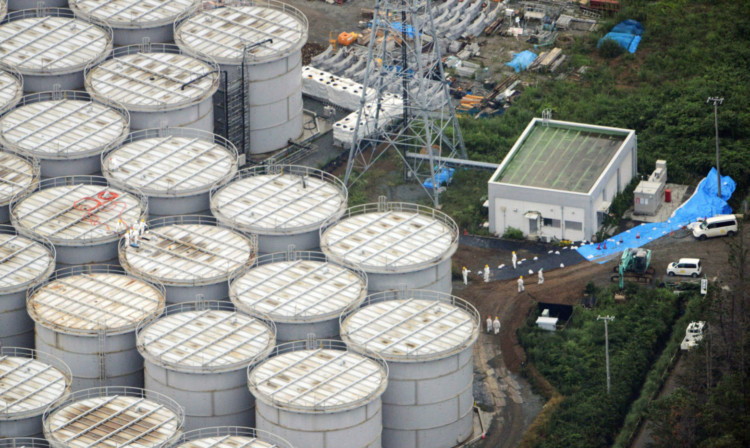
[[703, 204], [443, 177], [627, 34], [522, 60]]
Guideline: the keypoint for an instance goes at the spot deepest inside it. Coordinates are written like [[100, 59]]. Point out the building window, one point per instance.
[[549, 222], [573, 225]]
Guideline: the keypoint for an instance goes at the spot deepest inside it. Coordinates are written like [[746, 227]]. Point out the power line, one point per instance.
[[606, 342], [716, 102]]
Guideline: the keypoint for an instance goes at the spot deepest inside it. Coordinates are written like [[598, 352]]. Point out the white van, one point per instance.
[[720, 225], [686, 266]]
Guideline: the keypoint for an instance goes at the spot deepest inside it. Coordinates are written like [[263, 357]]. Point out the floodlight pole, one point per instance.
[[606, 342], [716, 102]]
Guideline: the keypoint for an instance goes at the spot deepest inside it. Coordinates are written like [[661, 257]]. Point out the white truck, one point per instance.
[[693, 335]]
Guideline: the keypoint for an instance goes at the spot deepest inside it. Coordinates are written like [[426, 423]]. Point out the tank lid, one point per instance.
[[171, 162], [205, 336], [152, 77], [62, 125], [114, 416], [133, 13], [11, 86], [23, 262], [17, 175], [192, 251], [76, 210], [31, 381], [51, 44], [390, 237], [270, 30], [297, 287], [93, 299], [24, 442], [279, 199], [326, 377], [414, 325], [230, 437]]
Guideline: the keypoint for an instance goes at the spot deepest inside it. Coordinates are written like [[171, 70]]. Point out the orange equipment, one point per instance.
[[347, 39]]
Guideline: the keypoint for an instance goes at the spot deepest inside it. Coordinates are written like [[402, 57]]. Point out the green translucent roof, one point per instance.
[[561, 157]]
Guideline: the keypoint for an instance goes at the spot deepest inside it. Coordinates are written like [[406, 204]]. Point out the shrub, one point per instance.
[[513, 234], [610, 49]]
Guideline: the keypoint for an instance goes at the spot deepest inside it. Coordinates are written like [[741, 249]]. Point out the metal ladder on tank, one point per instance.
[[101, 334]]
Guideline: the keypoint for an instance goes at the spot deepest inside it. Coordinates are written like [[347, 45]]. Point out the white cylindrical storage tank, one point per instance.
[[230, 437], [11, 85], [114, 416], [192, 256], [319, 394], [395, 243], [174, 167], [301, 292], [427, 339], [273, 34], [83, 216], [282, 204], [30, 382], [132, 20], [87, 316], [159, 85], [24, 442], [3, 9], [198, 354], [23, 263], [18, 174], [49, 47], [66, 130]]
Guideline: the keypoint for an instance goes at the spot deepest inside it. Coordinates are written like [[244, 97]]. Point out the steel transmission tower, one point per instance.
[[405, 105]]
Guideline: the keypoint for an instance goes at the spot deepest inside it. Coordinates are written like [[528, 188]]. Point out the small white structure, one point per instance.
[[132, 20], [66, 130], [693, 335], [649, 194], [198, 354], [174, 167], [94, 417], [87, 316], [319, 394], [559, 178], [31, 382], [158, 84], [301, 292], [50, 46], [229, 437], [18, 175]]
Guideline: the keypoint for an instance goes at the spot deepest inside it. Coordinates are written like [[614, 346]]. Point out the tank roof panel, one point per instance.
[[10, 88], [16, 175], [51, 44], [62, 128], [297, 290], [115, 420], [205, 339], [189, 253], [88, 303], [23, 262], [318, 379], [133, 13], [410, 328], [278, 202], [391, 239], [28, 386], [227, 441], [223, 32], [71, 213], [152, 81], [169, 165]]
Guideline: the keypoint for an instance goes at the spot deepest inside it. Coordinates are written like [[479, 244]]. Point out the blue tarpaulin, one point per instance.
[[522, 60], [627, 34], [443, 176], [704, 203]]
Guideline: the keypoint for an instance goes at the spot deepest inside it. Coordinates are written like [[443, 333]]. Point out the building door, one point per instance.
[[533, 226]]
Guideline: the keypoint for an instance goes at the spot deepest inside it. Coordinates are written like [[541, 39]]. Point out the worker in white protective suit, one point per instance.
[[127, 238], [541, 276], [465, 273], [133, 236], [120, 226], [520, 284], [496, 325], [515, 259], [486, 273], [141, 228], [489, 324]]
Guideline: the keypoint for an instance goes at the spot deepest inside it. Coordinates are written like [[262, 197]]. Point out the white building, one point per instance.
[[559, 179]]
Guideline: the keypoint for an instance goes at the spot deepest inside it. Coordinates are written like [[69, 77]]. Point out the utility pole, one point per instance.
[[606, 342], [716, 102]]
